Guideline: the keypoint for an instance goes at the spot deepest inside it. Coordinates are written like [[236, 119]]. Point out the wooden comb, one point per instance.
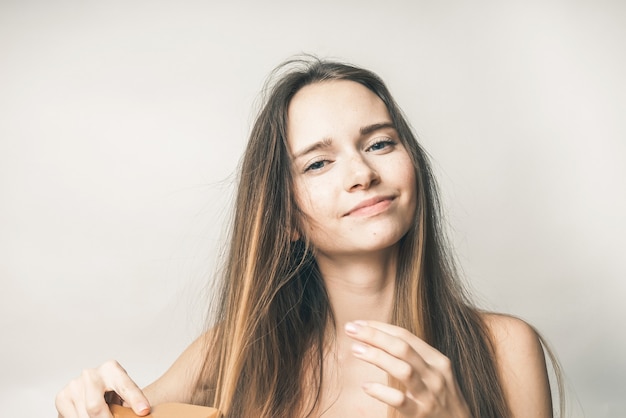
[[168, 410]]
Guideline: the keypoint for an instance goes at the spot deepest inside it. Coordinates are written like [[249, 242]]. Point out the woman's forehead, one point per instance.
[[332, 108]]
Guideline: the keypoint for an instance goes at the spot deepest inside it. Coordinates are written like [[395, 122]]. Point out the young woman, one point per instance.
[[338, 298]]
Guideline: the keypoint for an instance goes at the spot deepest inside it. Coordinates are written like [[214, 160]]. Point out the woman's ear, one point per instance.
[[295, 235]]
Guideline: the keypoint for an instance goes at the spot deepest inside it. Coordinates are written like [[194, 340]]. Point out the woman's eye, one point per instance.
[[381, 144], [317, 165]]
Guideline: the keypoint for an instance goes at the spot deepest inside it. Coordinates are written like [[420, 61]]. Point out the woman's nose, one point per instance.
[[360, 174]]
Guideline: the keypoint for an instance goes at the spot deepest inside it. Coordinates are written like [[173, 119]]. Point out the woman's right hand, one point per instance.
[[89, 395]]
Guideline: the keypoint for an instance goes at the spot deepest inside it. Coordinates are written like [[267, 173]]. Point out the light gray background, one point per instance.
[[122, 122]]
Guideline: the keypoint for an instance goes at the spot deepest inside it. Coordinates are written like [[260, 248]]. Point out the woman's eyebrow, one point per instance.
[[324, 143], [366, 130], [327, 142]]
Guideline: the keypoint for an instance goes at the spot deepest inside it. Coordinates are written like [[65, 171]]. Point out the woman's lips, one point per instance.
[[371, 206]]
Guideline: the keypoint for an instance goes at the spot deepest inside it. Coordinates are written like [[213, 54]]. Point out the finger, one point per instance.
[[81, 408], [65, 407], [397, 346], [438, 367], [92, 401], [398, 368], [394, 355], [427, 351], [118, 380], [392, 397]]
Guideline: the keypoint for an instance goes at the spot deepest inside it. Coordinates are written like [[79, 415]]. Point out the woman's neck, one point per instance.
[[360, 286]]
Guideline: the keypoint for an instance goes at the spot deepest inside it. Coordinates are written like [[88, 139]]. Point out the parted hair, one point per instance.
[[265, 350]]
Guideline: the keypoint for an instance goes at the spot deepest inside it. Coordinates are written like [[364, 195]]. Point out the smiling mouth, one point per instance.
[[371, 207]]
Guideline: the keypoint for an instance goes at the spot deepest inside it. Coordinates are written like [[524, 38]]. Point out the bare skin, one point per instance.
[[522, 369], [355, 184]]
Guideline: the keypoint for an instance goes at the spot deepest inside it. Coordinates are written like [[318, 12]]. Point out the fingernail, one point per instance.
[[358, 348], [352, 328], [143, 407]]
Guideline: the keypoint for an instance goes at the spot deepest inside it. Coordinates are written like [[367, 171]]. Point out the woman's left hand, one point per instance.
[[426, 374]]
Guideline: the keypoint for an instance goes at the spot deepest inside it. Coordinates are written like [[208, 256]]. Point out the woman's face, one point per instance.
[[354, 180]]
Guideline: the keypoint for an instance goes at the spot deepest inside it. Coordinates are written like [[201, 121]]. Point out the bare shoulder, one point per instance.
[[177, 383], [521, 365], [511, 333]]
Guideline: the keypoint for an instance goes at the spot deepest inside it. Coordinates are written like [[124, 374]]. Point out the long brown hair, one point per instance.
[[273, 309]]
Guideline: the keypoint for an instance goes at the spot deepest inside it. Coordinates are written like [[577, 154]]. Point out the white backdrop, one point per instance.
[[122, 122]]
